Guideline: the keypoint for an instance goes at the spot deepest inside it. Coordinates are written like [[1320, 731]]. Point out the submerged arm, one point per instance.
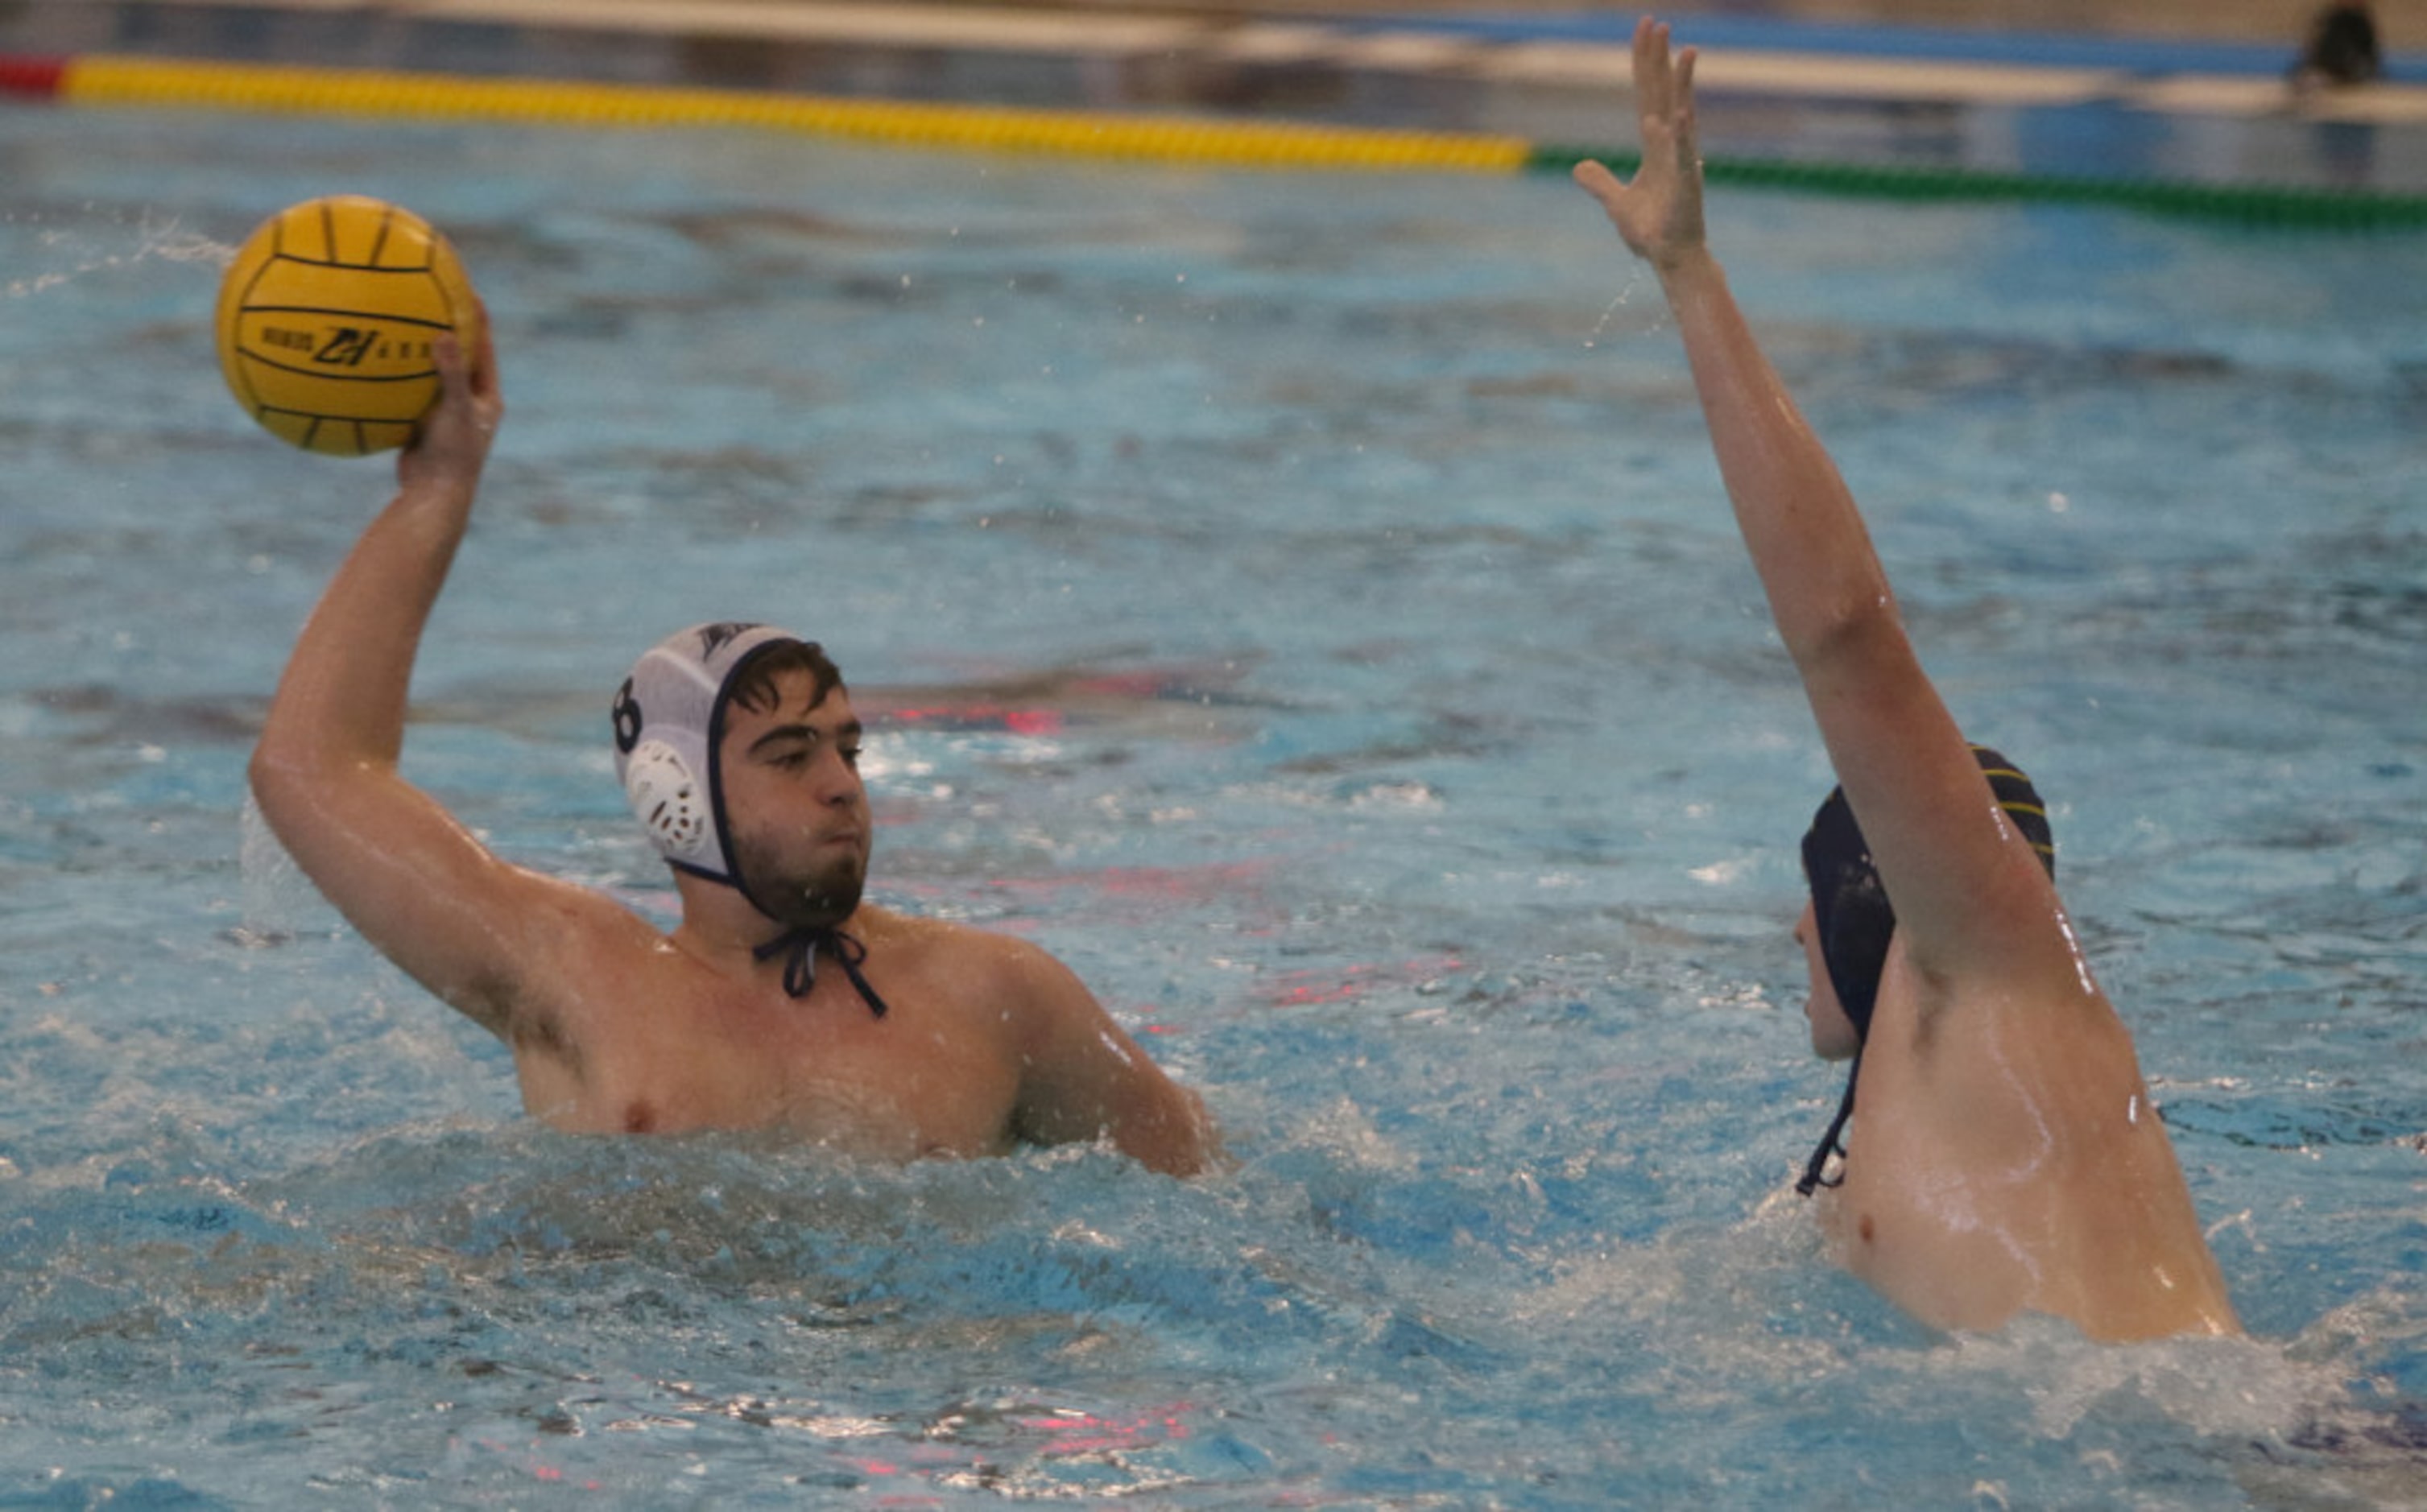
[[1084, 1078]]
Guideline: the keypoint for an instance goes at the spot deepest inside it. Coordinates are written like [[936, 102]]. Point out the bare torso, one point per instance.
[[662, 1042], [2006, 1157], [616, 1026]]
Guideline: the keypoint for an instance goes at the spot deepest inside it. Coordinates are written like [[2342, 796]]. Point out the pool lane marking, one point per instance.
[[36, 77], [102, 79], [1273, 44], [2144, 55], [110, 80], [1888, 80], [1806, 75], [1826, 61], [2199, 95], [1402, 52], [1900, 79], [965, 28]]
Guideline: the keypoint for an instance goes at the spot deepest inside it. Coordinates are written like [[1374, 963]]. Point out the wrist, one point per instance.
[[434, 511], [438, 488], [1688, 268]]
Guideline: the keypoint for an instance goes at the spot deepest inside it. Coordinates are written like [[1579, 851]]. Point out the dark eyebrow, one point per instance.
[[849, 735]]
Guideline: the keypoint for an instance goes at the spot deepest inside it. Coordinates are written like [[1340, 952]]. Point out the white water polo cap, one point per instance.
[[669, 718]]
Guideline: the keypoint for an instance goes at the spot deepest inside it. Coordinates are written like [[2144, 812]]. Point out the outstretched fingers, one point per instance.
[[1683, 108], [1655, 87], [1664, 94], [1600, 183]]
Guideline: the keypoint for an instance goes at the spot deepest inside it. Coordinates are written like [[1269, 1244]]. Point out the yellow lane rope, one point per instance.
[[111, 79]]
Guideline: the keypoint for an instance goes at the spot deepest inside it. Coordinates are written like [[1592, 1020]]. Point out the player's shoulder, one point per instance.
[[951, 945]]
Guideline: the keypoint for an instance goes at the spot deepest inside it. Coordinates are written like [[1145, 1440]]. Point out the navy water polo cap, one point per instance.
[[1851, 914], [668, 717]]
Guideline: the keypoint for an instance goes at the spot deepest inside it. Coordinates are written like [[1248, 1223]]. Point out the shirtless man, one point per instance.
[[740, 751], [2006, 1155]]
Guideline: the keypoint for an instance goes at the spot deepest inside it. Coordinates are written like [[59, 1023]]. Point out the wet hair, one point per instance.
[[1851, 914], [753, 683]]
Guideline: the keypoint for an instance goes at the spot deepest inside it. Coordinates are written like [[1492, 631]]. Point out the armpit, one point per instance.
[[541, 1031]]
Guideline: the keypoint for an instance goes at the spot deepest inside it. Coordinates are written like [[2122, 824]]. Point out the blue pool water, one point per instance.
[[1306, 605]]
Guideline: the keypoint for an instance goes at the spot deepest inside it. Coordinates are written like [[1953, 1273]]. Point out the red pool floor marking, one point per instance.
[[982, 715], [1300, 989]]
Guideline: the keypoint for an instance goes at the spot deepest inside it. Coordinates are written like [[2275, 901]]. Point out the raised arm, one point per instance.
[[1965, 888], [395, 862]]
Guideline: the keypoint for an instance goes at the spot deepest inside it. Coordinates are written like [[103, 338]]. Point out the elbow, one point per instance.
[[291, 781], [1856, 628], [277, 772], [262, 772], [265, 775], [280, 788]]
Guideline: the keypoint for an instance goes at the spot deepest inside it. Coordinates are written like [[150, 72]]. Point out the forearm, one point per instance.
[[1177, 1138], [341, 702], [1800, 522], [1084, 1078], [1825, 586]]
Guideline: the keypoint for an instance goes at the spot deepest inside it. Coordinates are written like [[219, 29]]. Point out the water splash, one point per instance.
[[1609, 312], [156, 240], [279, 902]]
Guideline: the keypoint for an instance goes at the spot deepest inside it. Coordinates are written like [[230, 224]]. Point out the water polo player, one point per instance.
[[2004, 1153], [739, 750]]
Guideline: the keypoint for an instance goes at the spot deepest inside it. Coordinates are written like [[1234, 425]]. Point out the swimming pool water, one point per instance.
[[1306, 605]]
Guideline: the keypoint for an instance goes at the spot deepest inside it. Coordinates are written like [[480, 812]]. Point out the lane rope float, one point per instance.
[[116, 80]]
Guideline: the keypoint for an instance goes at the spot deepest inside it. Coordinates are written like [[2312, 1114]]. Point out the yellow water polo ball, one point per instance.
[[327, 317]]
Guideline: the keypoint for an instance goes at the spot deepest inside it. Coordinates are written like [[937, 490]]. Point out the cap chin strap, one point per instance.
[[804, 942], [800, 947], [1830, 1143]]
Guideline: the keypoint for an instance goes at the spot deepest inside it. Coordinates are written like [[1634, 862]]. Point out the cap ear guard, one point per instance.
[[668, 718], [669, 800]]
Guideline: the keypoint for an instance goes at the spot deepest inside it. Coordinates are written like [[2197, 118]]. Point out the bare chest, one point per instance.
[[1982, 1183], [922, 1080], [1953, 1251]]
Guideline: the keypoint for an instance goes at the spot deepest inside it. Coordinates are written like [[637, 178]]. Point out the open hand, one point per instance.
[[1660, 214]]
